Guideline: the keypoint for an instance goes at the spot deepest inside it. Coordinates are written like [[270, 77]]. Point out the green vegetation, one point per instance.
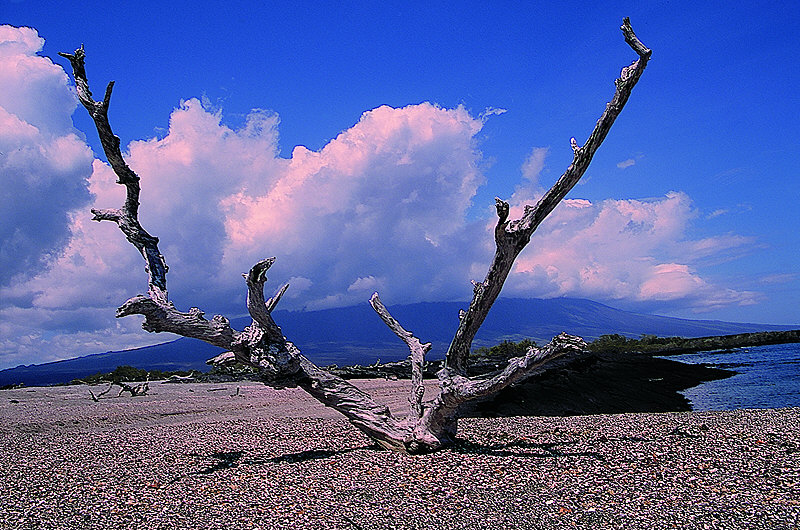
[[674, 345], [505, 349], [128, 374], [652, 344]]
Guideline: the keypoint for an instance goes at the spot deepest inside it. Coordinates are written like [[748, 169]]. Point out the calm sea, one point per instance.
[[767, 377]]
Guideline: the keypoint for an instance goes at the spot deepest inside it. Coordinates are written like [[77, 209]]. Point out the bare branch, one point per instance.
[[273, 302], [358, 407], [96, 397], [135, 391], [160, 314], [163, 317], [430, 425], [256, 304], [520, 368], [437, 426], [512, 237], [633, 41], [126, 218], [418, 351]]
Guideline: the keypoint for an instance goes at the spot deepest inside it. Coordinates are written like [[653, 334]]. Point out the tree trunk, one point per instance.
[[429, 425]]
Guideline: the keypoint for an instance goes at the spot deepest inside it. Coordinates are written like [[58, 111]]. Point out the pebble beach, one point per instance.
[[244, 456]]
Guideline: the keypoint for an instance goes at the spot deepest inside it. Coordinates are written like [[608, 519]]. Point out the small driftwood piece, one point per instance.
[[96, 397], [430, 425], [134, 390]]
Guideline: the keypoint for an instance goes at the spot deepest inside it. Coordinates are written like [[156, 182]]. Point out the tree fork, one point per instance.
[[429, 425]]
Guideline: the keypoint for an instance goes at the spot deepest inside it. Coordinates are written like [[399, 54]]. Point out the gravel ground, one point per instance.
[[201, 456]]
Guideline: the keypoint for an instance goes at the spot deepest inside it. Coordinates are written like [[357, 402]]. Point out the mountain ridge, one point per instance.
[[355, 335]]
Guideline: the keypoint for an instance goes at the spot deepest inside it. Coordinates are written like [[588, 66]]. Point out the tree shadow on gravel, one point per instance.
[[522, 448], [222, 460]]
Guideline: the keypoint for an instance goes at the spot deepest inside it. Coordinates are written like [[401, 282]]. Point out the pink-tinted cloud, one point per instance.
[[383, 206], [44, 165], [389, 191], [631, 250]]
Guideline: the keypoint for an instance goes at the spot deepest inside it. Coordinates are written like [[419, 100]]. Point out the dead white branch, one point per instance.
[[262, 345], [417, 358]]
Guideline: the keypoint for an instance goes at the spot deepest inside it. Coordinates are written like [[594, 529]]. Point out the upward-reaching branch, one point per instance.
[[258, 307], [160, 314], [126, 218], [512, 236], [430, 425], [418, 351]]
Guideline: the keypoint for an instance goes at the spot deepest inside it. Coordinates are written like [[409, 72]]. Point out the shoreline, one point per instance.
[[591, 383], [204, 456]]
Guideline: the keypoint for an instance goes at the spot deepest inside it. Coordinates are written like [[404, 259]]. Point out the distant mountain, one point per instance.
[[355, 335]]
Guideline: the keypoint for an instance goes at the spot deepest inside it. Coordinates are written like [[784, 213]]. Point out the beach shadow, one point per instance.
[[523, 448], [219, 461], [316, 454], [222, 460]]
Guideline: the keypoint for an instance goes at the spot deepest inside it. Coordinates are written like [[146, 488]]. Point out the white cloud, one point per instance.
[[388, 195], [365, 212], [626, 163], [534, 164], [43, 162], [491, 111], [383, 206], [369, 283], [778, 278], [631, 250], [717, 213]]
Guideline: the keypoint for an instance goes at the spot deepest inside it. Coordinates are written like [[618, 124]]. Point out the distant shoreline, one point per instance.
[[666, 346]]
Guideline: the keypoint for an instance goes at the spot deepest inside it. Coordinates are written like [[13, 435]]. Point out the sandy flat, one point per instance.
[[209, 456]]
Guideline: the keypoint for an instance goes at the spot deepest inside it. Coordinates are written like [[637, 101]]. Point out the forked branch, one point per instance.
[[429, 425], [126, 218], [512, 236]]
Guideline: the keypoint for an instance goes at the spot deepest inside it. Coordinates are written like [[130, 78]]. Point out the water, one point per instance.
[[767, 377]]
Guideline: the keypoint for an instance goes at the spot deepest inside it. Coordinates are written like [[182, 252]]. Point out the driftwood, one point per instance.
[[134, 390], [96, 397], [429, 425]]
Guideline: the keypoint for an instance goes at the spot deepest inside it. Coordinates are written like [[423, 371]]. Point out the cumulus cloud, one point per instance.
[[383, 206], [44, 165], [386, 198], [631, 250]]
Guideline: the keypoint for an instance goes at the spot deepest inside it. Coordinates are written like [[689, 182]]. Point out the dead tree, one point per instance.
[[430, 425]]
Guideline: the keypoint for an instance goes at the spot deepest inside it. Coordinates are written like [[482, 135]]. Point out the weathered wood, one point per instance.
[[256, 304], [127, 217], [512, 236], [417, 358], [372, 418], [159, 313], [429, 425]]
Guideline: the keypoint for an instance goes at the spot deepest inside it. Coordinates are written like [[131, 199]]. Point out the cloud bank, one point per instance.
[[43, 162], [383, 206]]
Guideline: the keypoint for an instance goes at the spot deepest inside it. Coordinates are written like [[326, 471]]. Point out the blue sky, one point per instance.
[[413, 116]]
